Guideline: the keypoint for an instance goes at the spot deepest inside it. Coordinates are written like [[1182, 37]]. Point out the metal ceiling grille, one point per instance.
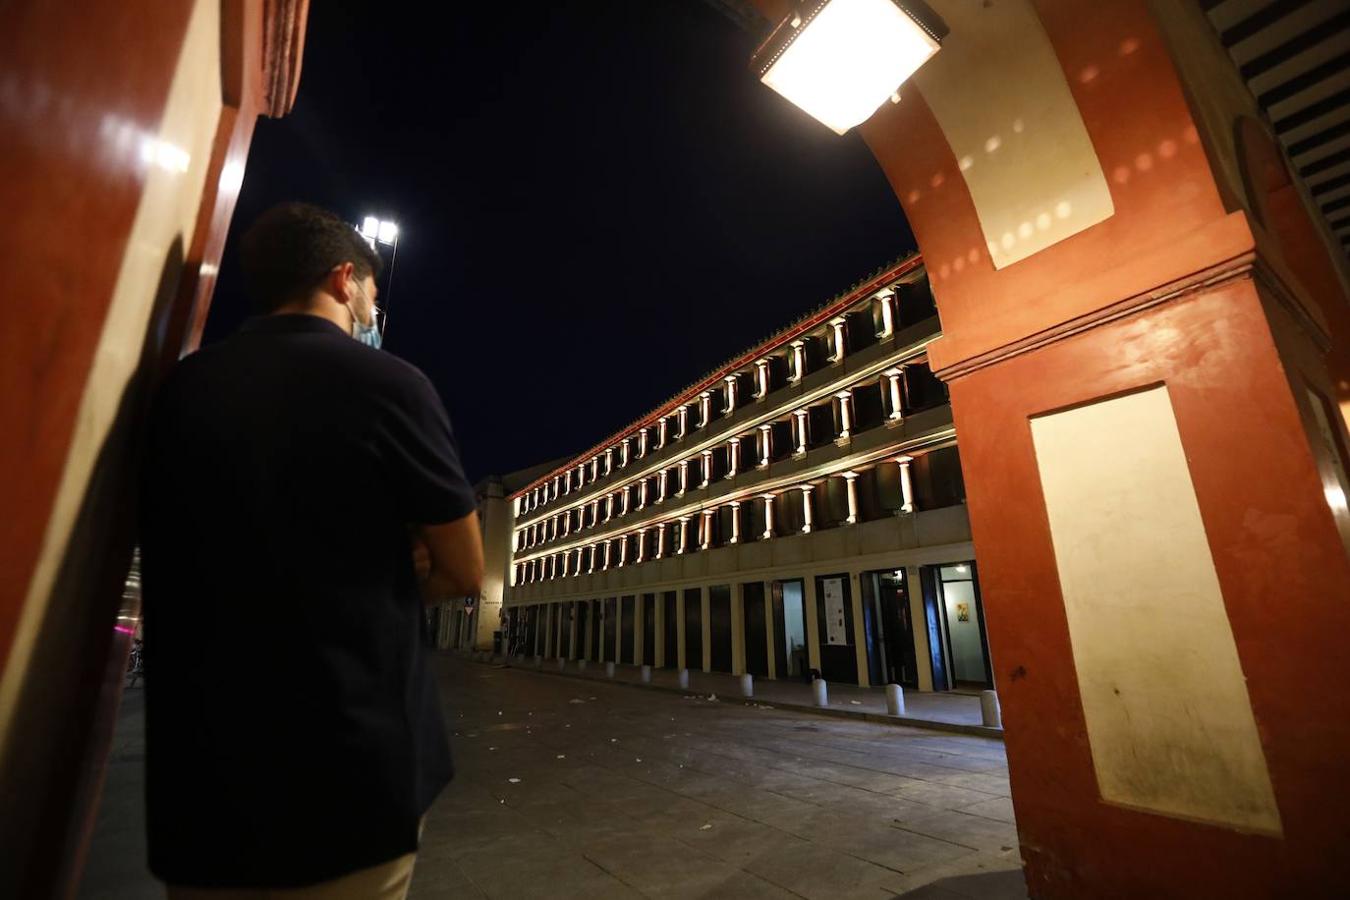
[[1295, 57]]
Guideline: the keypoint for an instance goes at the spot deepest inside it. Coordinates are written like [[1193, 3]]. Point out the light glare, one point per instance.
[[370, 226], [849, 59], [388, 232]]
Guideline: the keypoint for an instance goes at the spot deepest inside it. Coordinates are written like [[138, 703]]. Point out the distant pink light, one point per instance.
[[124, 629]]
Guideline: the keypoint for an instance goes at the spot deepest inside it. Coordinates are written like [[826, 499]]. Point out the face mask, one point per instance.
[[366, 334]]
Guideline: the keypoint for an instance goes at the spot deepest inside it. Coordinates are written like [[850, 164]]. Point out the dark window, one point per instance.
[[693, 629], [756, 630], [870, 502], [778, 372], [719, 626], [923, 390], [861, 328], [820, 425], [752, 519], [787, 510], [937, 479], [915, 302], [782, 441], [720, 457], [670, 639], [722, 526], [817, 352], [627, 612], [868, 410], [831, 503]]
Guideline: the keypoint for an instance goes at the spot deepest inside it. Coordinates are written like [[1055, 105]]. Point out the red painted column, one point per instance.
[[1207, 280]]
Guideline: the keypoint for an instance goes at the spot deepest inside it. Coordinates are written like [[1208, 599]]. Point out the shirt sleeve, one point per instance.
[[422, 458]]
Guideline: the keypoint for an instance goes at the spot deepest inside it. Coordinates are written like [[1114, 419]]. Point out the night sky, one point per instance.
[[599, 203]]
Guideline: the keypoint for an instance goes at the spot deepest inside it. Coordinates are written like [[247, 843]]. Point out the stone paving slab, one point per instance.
[[581, 788]]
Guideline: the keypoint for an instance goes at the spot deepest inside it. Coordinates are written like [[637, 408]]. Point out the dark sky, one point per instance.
[[598, 201]]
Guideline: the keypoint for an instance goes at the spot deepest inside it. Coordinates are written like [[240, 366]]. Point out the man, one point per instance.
[[293, 730]]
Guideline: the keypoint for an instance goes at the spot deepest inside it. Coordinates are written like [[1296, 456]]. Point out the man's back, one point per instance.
[[293, 731]]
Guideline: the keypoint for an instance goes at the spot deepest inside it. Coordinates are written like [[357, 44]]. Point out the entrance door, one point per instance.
[[648, 629], [579, 644], [788, 599], [626, 613], [693, 629], [719, 626], [967, 644], [834, 610], [890, 632], [671, 628], [756, 636], [609, 612]]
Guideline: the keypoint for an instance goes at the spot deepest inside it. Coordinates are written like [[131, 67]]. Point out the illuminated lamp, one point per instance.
[[840, 59]]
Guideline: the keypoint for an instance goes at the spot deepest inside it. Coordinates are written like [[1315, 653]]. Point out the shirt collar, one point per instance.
[[291, 323]]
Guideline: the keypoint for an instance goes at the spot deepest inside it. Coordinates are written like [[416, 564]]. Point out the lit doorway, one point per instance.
[[952, 594], [791, 658]]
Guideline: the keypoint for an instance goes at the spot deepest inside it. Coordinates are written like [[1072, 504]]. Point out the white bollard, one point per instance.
[[646, 674], [684, 679], [895, 700], [539, 662], [609, 670], [990, 712], [747, 685], [581, 665], [822, 692], [562, 664]]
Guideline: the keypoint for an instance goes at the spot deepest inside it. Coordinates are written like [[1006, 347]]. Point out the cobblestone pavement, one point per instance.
[[571, 788]]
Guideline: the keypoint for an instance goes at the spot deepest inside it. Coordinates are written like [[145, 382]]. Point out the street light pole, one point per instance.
[[383, 231]]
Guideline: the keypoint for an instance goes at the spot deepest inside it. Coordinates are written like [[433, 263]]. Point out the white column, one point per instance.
[[845, 413], [595, 512], [604, 563], [566, 563], [683, 421], [623, 499], [609, 460], [733, 456], [661, 485], [705, 540], [595, 468], [642, 442], [623, 451], [761, 378], [768, 516], [886, 298], [735, 521], [567, 482], [893, 389], [798, 361], [704, 409], [851, 482], [707, 467], [567, 523], [557, 486], [683, 532], [609, 507], [642, 494], [799, 417], [662, 430], [661, 540], [684, 477], [906, 485], [806, 508], [838, 332], [765, 444], [595, 551], [731, 393], [641, 545]]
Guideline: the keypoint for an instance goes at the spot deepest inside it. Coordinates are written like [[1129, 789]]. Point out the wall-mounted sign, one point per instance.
[[836, 628]]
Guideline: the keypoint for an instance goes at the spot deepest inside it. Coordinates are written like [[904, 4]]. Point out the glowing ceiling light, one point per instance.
[[840, 59]]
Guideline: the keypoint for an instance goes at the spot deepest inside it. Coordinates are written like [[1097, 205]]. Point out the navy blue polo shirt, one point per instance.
[[293, 728]]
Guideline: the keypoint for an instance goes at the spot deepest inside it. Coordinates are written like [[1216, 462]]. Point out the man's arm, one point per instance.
[[455, 557]]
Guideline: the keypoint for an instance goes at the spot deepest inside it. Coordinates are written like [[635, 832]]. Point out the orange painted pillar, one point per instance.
[[1144, 338], [126, 131]]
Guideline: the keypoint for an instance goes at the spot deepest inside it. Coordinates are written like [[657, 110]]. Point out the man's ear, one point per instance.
[[338, 278]]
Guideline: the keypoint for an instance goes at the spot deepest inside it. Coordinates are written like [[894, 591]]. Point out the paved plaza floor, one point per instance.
[[580, 788]]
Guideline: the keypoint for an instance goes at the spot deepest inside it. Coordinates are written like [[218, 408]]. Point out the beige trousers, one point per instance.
[[387, 881]]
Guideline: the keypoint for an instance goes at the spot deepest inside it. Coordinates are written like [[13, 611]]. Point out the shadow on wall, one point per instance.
[[68, 702]]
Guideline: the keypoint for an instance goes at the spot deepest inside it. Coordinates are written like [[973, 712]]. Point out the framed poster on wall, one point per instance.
[[836, 629]]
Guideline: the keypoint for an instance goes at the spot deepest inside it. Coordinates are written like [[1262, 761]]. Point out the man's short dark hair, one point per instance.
[[290, 248]]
